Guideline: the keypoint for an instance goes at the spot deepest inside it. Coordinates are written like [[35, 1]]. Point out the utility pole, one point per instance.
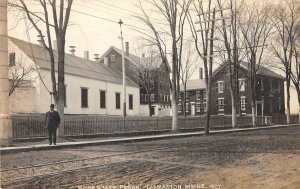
[[123, 70], [5, 120]]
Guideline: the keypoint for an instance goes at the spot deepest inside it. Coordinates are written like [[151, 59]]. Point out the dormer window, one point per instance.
[[112, 58]]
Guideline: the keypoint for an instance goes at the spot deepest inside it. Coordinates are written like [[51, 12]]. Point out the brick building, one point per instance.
[[160, 95], [269, 93]]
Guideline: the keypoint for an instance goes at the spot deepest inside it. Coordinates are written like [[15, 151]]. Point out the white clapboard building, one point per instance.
[[91, 87]]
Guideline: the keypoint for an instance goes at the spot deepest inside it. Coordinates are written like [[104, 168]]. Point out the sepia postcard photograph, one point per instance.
[[149, 94]]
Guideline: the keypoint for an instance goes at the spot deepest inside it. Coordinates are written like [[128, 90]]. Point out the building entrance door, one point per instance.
[[152, 111], [192, 109], [259, 108]]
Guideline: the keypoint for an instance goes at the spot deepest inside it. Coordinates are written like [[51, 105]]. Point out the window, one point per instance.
[[187, 107], [220, 87], [130, 102], [262, 84], [118, 103], [204, 101], [167, 98], [160, 97], [113, 58], [198, 96], [146, 97], [102, 99], [198, 107], [142, 97], [186, 95], [221, 104], [243, 103], [242, 84], [12, 59], [84, 97], [179, 108], [152, 97], [271, 85]]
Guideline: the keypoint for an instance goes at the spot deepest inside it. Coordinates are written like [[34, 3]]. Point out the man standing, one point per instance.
[[52, 123]]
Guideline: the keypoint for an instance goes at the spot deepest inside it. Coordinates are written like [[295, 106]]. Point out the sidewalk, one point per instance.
[[65, 143]]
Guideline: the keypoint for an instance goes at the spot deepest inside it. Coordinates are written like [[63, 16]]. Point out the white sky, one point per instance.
[[89, 32], [89, 29]]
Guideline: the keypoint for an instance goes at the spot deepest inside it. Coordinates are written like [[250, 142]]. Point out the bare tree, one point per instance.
[[256, 29], [20, 75], [173, 16], [230, 50], [57, 19], [146, 73], [188, 65], [203, 34], [286, 21]]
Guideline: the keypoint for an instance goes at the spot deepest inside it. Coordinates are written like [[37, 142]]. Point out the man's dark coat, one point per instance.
[[52, 120]]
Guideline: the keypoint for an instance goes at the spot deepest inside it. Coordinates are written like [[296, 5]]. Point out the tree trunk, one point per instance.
[[233, 105], [253, 107], [233, 116], [61, 84], [288, 114], [174, 111], [184, 100], [207, 126], [208, 105], [298, 95], [149, 106]]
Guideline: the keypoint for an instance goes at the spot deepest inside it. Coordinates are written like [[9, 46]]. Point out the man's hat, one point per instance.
[[51, 106]]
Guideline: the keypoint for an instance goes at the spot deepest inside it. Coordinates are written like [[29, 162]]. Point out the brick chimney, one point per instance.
[[127, 48], [86, 55]]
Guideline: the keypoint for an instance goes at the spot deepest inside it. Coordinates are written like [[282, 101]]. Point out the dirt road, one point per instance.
[[254, 159]]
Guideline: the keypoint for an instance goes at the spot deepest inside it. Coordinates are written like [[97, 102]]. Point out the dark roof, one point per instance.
[[194, 84], [262, 70], [156, 60], [73, 65], [200, 84]]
